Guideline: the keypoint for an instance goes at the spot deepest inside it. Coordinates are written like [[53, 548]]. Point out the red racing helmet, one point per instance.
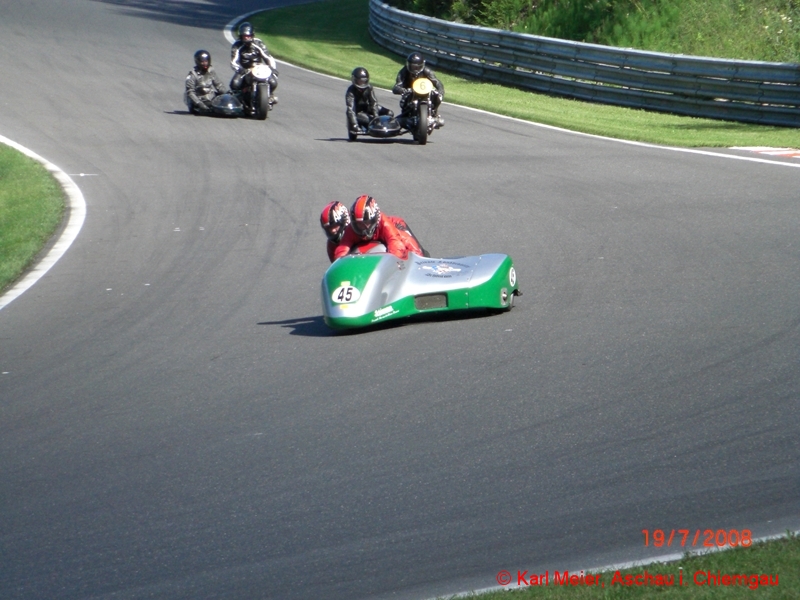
[[334, 220], [365, 216]]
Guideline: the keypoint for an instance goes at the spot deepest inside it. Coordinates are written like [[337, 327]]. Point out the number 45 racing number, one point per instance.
[[345, 293]]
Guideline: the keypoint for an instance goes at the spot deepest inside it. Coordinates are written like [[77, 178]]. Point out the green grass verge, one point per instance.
[[31, 206], [779, 560], [331, 37]]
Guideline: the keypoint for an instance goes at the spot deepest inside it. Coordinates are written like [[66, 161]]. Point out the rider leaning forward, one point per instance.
[[364, 224], [247, 51], [414, 69]]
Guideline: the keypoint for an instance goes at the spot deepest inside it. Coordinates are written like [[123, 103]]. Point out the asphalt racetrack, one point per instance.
[[176, 421]]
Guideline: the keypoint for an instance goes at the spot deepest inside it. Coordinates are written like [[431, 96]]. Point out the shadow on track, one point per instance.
[[369, 141], [212, 14], [315, 326], [305, 326]]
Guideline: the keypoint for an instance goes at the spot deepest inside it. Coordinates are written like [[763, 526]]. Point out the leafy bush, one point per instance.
[[747, 29], [570, 19]]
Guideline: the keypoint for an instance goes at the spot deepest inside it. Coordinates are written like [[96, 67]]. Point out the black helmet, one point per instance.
[[246, 32], [202, 59], [415, 63], [360, 77]]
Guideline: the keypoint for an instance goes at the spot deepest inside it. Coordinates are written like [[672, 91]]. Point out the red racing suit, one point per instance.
[[409, 239], [392, 232]]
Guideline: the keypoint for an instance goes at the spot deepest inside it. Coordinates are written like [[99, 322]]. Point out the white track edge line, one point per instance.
[[617, 567], [231, 39], [77, 215]]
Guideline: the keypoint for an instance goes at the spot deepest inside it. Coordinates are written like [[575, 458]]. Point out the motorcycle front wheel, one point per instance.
[[262, 102], [422, 125]]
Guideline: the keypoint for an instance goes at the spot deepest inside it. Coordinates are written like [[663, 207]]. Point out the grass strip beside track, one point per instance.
[[31, 207], [776, 558], [332, 37]]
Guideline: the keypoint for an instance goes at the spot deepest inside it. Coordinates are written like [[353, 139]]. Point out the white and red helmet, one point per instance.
[[334, 220], [365, 216]]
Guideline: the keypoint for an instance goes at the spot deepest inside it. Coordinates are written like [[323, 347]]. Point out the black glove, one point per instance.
[[203, 106]]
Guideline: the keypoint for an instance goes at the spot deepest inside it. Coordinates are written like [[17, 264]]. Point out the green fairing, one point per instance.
[[355, 268], [403, 308]]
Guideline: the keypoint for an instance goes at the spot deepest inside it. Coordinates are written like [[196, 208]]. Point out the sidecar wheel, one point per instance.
[[352, 136]]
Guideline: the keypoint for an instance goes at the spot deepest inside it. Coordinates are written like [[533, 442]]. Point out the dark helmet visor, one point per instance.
[[335, 232], [364, 228]]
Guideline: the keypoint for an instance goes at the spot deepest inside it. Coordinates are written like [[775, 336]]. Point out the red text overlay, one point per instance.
[[644, 579], [708, 538]]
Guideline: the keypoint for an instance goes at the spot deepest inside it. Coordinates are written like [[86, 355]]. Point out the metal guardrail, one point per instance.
[[738, 90]]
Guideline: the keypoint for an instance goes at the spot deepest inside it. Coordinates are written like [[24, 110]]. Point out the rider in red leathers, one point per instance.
[[367, 227], [335, 219], [409, 239]]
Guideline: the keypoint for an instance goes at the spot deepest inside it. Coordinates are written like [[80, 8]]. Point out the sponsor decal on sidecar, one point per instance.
[[443, 269], [384, 312]]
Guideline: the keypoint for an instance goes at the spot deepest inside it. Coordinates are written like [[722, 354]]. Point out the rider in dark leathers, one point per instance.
[[247, 51], [415, 68], [362, 105], [202, 84]]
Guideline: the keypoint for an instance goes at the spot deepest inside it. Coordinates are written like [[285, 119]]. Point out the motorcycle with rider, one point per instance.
[[421, 95], [256, 76]]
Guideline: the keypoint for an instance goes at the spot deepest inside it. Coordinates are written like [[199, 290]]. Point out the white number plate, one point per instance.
[[345, 294]]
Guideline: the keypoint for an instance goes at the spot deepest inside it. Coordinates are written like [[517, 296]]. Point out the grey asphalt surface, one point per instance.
[[176, 421]]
